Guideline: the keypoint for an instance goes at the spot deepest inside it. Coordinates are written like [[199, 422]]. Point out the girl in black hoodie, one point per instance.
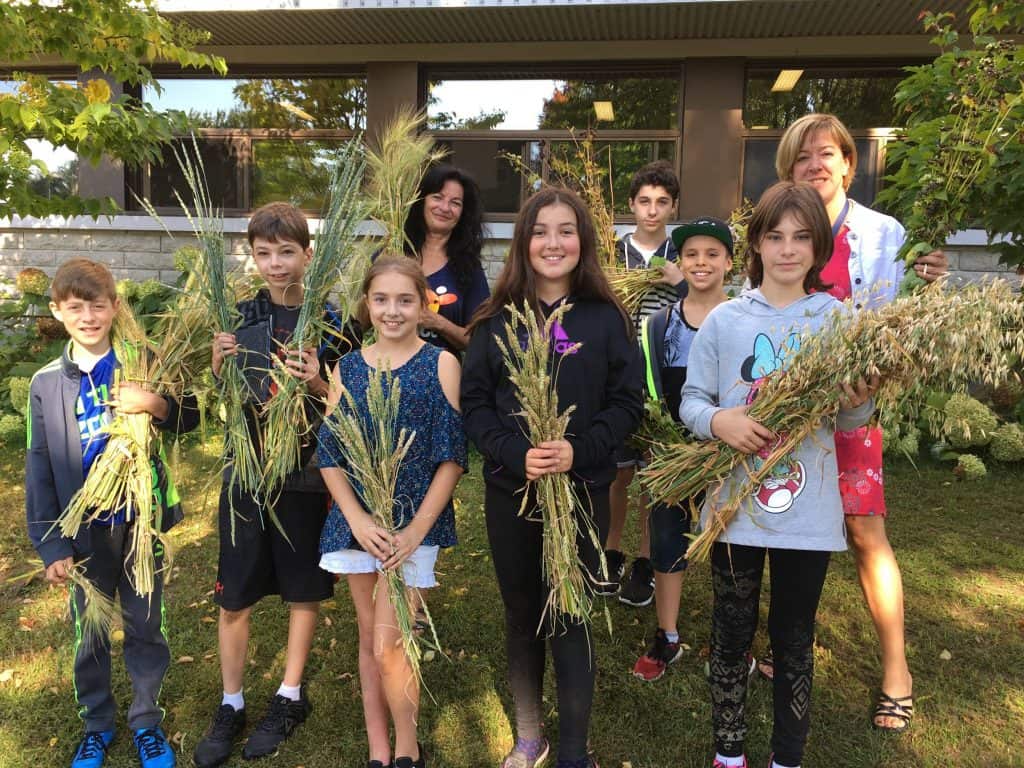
[[553, 260]]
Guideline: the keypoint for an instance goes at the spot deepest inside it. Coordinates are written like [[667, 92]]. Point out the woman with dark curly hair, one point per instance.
[[444, 230]]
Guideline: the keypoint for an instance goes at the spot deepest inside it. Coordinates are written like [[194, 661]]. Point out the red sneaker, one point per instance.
[[652, 665]]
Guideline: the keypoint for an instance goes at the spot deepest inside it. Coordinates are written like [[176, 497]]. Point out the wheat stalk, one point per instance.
[[285, 417]]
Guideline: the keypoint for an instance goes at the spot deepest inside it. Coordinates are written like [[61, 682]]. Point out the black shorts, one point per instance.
[[261, 561], [669, 526]]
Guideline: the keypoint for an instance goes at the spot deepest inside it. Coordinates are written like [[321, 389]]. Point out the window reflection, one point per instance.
[[280, 103], [861, 99]]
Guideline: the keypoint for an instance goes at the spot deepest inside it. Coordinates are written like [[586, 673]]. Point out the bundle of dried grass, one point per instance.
[[374, 450], [286, 416], [121, 478], [530, 369], [937, 338], [738, 222], [99, 614], [632, 285], [396, 166], [216, 300]]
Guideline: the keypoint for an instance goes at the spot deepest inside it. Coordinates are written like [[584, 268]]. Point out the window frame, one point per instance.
[[673, 69]]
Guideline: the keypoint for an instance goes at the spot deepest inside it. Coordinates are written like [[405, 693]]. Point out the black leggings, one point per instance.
[[797, 577], [516, 550]]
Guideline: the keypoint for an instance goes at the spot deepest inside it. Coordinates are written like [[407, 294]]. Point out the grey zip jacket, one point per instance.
[[53, 461], [739, 345]]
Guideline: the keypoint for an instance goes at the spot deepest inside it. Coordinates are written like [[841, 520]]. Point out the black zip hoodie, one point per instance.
[[602, 378]]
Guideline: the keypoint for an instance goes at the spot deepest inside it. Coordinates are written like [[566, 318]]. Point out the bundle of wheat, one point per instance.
[[936, 338], [526, 350]]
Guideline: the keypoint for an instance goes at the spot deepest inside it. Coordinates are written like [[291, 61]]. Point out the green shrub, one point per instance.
[[1007, 443], [12, 429], [968, 423], [969, 467], [18, 387]]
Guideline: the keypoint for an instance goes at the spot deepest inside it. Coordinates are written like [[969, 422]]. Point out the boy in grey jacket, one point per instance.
[[70, 405]]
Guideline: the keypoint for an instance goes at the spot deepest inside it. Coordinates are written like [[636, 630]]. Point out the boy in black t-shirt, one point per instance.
[[259, 560]]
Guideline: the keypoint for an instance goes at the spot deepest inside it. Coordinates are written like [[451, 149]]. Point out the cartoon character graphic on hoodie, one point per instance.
[[787, 480]]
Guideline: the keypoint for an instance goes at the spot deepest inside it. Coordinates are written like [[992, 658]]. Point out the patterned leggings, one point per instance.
[[797, 577]]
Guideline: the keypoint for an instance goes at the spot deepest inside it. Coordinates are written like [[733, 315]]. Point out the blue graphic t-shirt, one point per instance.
[[93, 415]]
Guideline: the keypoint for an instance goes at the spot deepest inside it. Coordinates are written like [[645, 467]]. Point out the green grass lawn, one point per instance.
[[961, 547]]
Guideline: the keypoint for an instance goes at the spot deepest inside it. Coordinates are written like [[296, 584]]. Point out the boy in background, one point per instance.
[[71, 401], [653, 196]]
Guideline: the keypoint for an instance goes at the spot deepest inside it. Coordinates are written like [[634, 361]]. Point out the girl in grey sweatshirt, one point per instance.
[[795, 517]]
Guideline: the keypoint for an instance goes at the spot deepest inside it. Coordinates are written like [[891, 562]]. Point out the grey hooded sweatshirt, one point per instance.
[[739, 345]]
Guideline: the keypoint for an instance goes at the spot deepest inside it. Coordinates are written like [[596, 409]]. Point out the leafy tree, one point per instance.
[[120, 39], [960, 160]]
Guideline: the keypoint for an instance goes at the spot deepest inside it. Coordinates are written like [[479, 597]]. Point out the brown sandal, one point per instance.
[[900, 708]]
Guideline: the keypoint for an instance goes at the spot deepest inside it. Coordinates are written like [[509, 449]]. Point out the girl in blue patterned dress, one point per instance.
[[394, 294]]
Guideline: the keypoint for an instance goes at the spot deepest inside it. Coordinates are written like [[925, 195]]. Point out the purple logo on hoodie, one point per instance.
[[560, 339]]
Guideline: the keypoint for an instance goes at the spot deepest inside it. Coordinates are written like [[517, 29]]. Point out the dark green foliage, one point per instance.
[[960, 160]]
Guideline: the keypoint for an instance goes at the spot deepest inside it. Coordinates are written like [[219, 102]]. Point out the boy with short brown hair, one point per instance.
[[256, 559], [71, 402]]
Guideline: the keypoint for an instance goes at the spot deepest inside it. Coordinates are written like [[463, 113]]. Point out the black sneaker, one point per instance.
[[616, 564], [216, 746], [638, 590], [282, 717], [408, 762]]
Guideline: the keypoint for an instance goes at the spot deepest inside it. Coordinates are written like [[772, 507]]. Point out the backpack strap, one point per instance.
[[652, 345]]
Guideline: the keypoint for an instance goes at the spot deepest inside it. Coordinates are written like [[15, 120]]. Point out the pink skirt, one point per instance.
[[859, 458]]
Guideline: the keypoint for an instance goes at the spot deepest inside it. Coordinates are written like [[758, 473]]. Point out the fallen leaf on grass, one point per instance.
[[6, 675], [208, 619], [328, 622], [53, 741], [185, 659], [945, 655]]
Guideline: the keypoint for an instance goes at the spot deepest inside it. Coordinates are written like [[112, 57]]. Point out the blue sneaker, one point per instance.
[[154, 751], [92, 749]]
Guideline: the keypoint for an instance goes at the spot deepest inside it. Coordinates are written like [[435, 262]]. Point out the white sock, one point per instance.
[[731, 762], [236, 700], [672, 637], [289, 691]]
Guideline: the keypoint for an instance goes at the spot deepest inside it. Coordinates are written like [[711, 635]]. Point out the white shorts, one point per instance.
[[418, 569]]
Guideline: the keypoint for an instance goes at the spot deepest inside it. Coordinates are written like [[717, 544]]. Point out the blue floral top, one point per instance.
[[439, 438]]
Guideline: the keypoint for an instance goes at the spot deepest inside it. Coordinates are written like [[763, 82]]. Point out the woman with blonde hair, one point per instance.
[[818, 149]]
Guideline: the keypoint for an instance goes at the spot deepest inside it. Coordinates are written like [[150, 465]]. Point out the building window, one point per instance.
[[634, 117], [860, 98], [261, 139]]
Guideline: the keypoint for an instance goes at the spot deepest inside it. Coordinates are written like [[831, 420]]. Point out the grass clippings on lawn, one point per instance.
[[961, 547]]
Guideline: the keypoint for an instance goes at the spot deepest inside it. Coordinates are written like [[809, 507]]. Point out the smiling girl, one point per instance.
[[795, 517], [552, 261], [394, 295]]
